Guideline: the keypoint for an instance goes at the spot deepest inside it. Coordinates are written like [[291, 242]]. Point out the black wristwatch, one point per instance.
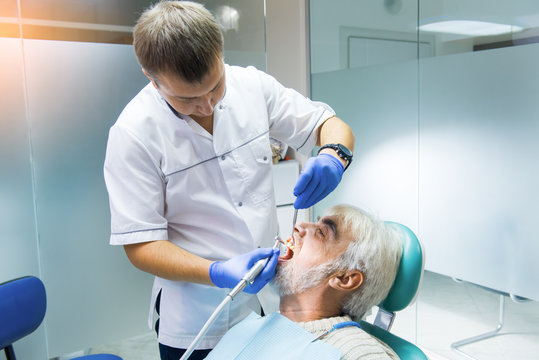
[[343, 152]]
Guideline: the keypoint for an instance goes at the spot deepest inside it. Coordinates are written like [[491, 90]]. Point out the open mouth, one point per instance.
[[287, 249]]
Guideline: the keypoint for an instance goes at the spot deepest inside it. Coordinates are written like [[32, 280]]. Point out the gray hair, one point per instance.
[[375, 250], [178, 37]]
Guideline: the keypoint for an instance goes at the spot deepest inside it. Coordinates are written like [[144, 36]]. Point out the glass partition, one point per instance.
[[372, 85], [478, 134], [442, 97], [68, 71], [477, 198], [18, 243]]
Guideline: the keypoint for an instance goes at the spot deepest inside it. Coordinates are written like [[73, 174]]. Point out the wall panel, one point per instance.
[[75, 93]]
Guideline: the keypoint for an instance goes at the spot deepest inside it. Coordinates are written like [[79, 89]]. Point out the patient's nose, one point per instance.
[[301, 228]]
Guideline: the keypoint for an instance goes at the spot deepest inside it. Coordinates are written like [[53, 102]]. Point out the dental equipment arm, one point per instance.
[[294, 222], [247, 279]]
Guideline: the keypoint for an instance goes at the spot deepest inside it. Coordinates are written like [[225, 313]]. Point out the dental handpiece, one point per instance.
[[251, 275], [247, 279]]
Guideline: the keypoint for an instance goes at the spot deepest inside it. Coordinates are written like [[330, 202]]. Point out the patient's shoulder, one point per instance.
[[355, 343], [352, 341]]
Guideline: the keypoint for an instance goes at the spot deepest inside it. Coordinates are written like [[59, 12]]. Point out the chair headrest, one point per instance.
[[22, 308], [410, 272]]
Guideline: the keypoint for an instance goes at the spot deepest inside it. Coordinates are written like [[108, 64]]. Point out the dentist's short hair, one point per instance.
[[375, 250], [180, 38]]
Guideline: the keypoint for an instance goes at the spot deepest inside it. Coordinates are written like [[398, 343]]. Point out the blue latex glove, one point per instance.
[[320, 175], [227, 274]]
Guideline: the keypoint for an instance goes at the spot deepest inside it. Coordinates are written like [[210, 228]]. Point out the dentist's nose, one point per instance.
[[206, 106]]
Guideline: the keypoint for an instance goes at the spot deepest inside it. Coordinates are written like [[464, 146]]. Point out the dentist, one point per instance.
[[188, 171]]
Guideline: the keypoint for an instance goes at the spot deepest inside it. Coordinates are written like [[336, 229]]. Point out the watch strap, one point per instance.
[[341, 152]]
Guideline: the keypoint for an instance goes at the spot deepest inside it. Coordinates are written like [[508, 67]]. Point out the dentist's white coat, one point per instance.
[[212, 195]]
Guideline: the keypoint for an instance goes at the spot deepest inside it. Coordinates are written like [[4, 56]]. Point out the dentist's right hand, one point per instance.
[[227, 274]]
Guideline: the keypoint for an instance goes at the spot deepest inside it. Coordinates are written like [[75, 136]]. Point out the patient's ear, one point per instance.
[[349, 280]]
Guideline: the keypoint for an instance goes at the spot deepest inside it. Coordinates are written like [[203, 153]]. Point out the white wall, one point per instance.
[[287, 43]]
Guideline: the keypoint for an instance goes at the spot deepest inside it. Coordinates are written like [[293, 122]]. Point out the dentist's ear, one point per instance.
[[346, 281], [151, 79]]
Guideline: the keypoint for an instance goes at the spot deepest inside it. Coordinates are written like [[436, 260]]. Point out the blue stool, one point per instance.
[[23, 303]]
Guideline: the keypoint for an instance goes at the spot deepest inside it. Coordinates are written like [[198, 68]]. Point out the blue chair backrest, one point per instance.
[[410, 272], [404, 349], [23, 303], [402, 293]]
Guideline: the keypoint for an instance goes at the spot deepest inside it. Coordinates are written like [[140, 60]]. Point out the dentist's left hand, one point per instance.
[[227, 274], [320, 176]]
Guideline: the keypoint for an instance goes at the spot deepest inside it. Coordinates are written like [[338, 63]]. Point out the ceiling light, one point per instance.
[[471, 28]]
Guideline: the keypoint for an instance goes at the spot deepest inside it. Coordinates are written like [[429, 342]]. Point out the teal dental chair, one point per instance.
[[402, 293], [23, 303]]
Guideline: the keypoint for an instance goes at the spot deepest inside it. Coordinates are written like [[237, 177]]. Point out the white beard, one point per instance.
[[290, 280]]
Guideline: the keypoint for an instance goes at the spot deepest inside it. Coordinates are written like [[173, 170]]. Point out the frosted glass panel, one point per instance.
[[16, 205], [18, 242], [366, 52], [76, 91], [379, 103], [478, 198]]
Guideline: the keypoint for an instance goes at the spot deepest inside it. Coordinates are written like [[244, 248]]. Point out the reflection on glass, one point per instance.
[[112, 21], [110, 12], [349, 33], [108, 21], [228, 18], [459, 26], [243, 25], [9, 24], [8, 8]]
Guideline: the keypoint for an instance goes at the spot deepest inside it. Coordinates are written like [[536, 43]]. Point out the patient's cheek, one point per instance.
[[283, 279]]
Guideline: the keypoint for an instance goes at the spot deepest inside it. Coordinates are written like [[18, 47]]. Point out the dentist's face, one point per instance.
[[193, 99], [317, 245]]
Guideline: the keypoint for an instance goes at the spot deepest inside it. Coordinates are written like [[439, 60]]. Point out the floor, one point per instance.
[[446, 311]]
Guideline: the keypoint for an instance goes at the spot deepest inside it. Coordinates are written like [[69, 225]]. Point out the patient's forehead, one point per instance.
[[339, 224], [343, 235]]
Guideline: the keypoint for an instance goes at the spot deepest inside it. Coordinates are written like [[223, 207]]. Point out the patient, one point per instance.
[[339, 268]]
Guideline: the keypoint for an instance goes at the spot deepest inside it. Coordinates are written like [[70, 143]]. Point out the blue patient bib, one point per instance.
[[271, 337]]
